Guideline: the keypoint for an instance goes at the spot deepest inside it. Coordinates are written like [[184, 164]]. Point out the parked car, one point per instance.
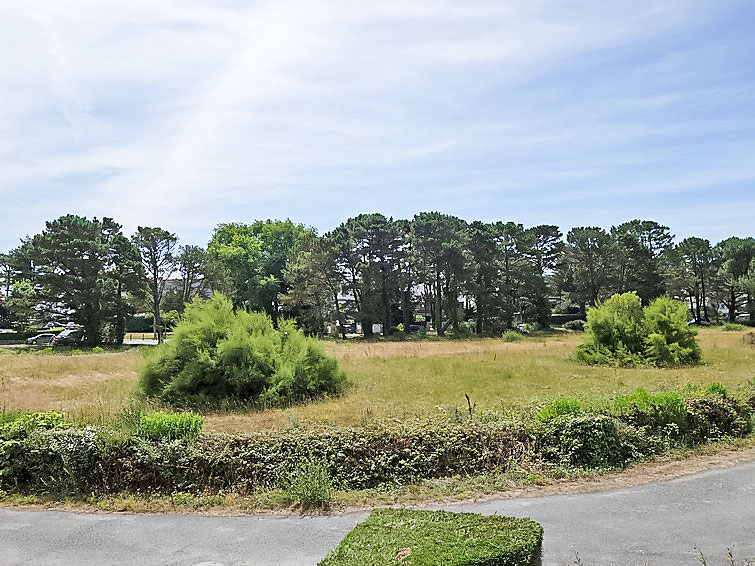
[[69, 337], [44, 338]]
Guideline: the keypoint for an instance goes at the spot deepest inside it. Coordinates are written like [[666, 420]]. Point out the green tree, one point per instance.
[[484, 274], [541, 247], [254, 257], [369, 248], [157, 250], [735, 273], [75, 260], [621, 331], [697, 264], [641, 251], [439, 242], [22, 302], [16, 265], [584, 272], [314, 283]]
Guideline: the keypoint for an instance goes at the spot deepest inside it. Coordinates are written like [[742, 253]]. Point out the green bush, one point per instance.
[[711, 418], [582, 440], [733, 327], [557, 408], [657, 410], [170, 426], [43, 454], [218, 355], [311, 486], [670, 341], [620, 332], [21, 424], [617, 324], [578, 325], [434, 538], [98, 350], [512, 336]]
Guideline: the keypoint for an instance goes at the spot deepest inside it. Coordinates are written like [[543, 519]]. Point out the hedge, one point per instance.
[[438, 538], [45, 455]]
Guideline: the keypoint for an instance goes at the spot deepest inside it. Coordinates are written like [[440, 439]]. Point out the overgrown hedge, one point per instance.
[[435, 538], [43, 455]]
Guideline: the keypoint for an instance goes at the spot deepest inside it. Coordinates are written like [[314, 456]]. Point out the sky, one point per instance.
[[185, 114]]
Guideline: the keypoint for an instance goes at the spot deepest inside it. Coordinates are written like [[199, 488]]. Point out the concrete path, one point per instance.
[[656, 524]]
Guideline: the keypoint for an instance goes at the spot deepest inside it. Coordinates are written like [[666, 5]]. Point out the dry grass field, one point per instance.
[[389, 379]]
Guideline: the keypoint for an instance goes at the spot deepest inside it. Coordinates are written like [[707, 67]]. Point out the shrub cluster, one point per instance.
[[512, 336], [43, 454], [218, 355], [621, 332], [434, 538]]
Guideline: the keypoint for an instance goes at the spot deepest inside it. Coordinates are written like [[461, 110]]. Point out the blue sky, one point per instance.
[[187, 114]]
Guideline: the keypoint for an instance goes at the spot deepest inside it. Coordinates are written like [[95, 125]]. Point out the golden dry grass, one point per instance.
[[91, 386], [389, 379]]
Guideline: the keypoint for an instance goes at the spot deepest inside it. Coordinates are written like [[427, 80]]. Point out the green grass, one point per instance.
[[438, 538], [170, 426]]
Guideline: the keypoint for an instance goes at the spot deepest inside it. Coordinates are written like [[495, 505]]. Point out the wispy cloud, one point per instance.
[[186, 114]]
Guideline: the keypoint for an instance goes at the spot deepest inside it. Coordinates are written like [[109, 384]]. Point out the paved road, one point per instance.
[[655, 524]]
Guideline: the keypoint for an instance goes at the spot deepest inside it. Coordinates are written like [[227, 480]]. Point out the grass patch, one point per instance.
[[434, 538], [170, 426]]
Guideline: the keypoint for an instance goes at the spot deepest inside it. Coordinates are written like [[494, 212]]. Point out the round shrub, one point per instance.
[[217, 355], [669, 340], [621, 332]]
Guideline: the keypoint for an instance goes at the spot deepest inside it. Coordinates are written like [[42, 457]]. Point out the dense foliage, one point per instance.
[[217, 355], [436, 538], [40, 453], [433, 271], [621, 332], [89, 267]]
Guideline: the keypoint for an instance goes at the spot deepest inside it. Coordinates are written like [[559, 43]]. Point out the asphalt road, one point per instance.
[[656, 524]]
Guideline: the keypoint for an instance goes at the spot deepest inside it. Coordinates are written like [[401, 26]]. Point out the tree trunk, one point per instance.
[[386, 306], [732, 304], [120, 319], [405, 307], [367, 328], [438, 307]]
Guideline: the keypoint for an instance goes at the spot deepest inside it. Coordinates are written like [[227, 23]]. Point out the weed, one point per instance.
[[311, 485], [716, 389]]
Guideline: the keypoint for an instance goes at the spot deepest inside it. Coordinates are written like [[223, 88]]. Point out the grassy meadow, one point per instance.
[[389, 379]]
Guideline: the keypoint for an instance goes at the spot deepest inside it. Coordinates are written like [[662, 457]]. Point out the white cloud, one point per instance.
[[185, 114]]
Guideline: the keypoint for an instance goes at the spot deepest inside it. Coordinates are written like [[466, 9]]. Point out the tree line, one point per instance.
[[434, 270]]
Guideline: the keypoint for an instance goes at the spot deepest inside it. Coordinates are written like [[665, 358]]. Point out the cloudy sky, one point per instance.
[[185, 114]]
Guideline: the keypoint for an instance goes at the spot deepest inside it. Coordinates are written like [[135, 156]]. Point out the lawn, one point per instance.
[[389, 379]]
